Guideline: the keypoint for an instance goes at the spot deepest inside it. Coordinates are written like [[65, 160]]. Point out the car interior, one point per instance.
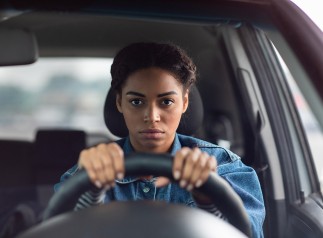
[[29, 169], [223, 117]]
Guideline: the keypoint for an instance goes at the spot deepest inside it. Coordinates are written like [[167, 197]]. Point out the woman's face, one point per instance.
[[152, 102]]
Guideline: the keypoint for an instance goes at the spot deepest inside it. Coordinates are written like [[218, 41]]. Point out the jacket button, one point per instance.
[[146, 189]]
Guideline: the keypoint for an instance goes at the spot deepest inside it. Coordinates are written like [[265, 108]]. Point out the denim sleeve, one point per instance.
[[244, 181]]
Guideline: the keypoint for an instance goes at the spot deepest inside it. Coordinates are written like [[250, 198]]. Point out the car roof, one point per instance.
[[83, 19]]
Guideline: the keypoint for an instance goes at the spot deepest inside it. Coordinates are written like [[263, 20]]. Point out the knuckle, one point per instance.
[[195, 157], [120, 152], [115, 150], [106, 161], [181, 153], [83, 153], [114, 146], [213, 161], [205, 154], [201, 163], [97, 167], [91, 152], [211, 166], [185, 150], [190, 160], [209, 163], [101, 146]]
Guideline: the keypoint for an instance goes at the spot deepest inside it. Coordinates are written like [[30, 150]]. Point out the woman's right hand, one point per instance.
[[103, 164]]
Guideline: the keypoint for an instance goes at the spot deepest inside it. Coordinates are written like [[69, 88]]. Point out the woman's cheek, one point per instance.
[[173, 117]]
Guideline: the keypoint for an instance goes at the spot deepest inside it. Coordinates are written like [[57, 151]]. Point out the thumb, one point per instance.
[[161, 182]]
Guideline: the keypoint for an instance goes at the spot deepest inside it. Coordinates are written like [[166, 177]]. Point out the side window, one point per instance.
[[313, 130]]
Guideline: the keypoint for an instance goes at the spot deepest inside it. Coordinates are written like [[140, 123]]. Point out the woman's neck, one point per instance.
[[159, 149]]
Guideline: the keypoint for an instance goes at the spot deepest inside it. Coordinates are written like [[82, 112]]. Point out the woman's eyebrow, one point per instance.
[[166, 94], [159, 95], [135, 94]]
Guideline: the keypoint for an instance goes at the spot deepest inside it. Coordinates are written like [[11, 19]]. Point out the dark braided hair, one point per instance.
[[144, 55]]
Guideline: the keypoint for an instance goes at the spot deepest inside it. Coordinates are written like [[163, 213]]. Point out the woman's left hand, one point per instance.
[[191, 167]]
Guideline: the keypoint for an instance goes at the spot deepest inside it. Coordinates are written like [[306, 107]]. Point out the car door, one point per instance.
[[285, 165]]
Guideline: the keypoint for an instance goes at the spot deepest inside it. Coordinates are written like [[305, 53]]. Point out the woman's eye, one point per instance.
[[136, 102], [167, 102]]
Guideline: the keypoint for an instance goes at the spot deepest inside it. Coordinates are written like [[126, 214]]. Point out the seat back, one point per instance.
[[56, 150], [16, 163], [16, 184]]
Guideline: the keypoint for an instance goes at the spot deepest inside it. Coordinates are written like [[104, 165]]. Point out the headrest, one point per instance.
[[59, 147], [190, 122]]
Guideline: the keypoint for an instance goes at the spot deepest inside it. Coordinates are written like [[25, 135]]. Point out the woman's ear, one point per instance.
[[185, 101], [118, 102]]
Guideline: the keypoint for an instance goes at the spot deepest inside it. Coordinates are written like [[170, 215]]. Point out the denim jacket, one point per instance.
[[242, 178]]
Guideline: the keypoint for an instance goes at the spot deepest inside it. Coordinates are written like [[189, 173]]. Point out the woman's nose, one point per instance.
[[152, 114]]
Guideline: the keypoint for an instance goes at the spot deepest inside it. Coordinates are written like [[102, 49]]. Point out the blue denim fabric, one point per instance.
[[242, 178]]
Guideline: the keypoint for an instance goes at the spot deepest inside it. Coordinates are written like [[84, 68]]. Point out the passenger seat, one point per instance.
[[16, 185], [56, 150]]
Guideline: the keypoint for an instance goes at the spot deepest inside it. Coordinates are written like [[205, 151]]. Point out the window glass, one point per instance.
[[53, 92], [311, 126]]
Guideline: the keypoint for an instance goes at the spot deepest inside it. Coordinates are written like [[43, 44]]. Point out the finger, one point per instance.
[[92, 165], [102, 164], [161, 182], [118, 160], [206, 171], [200, 166], [189, 165], [85, 163], [213, 163], [109, 157], [179, 161]]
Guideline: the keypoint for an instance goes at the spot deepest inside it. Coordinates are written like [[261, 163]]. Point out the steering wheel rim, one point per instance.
[[137, 164]]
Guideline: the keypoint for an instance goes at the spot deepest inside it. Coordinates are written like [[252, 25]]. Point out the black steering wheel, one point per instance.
[[137, 164]]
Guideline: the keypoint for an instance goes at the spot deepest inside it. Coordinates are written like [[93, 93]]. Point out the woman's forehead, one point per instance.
[[152, 79]]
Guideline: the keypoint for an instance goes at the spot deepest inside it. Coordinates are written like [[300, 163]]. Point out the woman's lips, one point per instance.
[[152, 133]]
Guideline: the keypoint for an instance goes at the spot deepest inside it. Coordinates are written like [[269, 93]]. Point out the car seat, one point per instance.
[[34, 168], [16, 176], [56, 150]]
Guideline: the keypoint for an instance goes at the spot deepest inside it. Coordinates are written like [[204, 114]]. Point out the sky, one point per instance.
[[313, 8]]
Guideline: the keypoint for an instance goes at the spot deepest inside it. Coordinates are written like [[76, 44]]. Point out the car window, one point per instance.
[[53, 92], [312, 128]]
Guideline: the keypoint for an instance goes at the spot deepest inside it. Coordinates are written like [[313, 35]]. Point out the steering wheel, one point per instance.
[[137, 164]]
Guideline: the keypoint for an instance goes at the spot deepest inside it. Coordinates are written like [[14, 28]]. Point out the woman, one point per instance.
[[152, 82]]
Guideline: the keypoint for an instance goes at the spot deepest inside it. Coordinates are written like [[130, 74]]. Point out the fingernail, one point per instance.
[[177, 175], [120, 176], [198, 183], [182, 183], [189, 187], [98, 184]]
